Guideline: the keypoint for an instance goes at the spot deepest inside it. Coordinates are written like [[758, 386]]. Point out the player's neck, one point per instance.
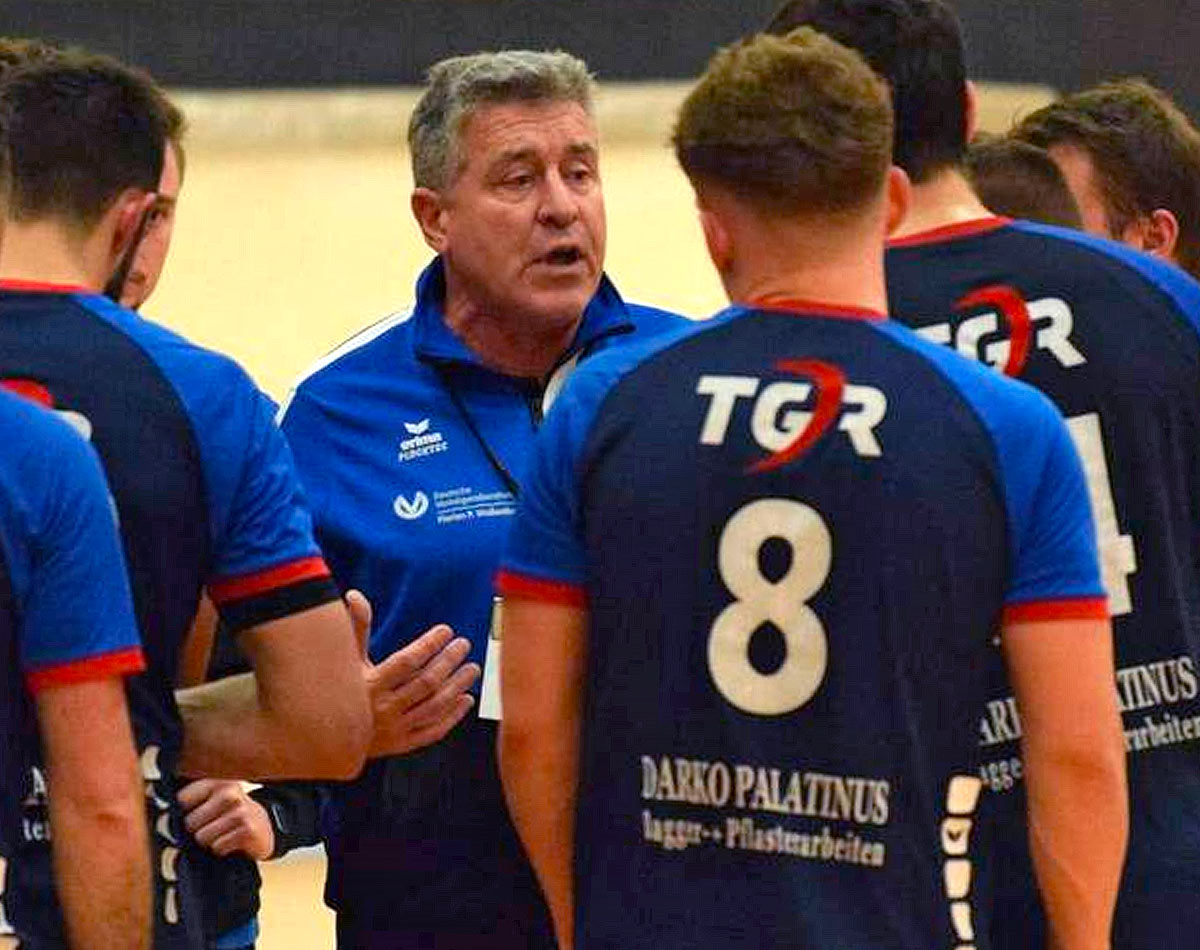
[[850, 277], [46, 252], [943, 200]]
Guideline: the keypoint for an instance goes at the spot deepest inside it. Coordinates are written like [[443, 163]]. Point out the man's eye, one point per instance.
[[519, 181]]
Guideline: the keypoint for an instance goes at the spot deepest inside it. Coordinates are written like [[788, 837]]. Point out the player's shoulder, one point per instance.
[[601, 372], [1150, 280], [191, 369], [382, 346], [1000, 402], [651, 321], [31, 432]]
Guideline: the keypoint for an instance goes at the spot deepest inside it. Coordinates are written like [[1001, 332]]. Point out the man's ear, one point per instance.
[[428, 207], [127, 214], [1156, 233], [899, 198], [971, 104]]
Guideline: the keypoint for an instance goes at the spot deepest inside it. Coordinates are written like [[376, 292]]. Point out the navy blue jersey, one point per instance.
[[65, 610], [793, 563], [205, 495], [1111, 336], [411, 450]]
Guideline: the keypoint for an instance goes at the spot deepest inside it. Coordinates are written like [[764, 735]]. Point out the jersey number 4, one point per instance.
[[1118, 559], [783, 603]]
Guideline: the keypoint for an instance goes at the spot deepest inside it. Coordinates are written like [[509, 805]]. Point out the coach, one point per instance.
[[411, 441]]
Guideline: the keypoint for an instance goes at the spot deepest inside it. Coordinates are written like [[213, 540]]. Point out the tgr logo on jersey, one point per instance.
[[411, 510], [780, 423], [1008, 328]]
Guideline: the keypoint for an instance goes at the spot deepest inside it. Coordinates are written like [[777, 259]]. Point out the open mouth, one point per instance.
[[566, 256]]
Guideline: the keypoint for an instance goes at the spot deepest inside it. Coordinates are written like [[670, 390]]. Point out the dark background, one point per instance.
[[257, 43]]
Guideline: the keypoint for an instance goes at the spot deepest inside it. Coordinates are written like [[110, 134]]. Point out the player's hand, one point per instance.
[[419, 693], [224, 819]]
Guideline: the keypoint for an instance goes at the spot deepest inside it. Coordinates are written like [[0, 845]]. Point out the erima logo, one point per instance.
[[411, 510], [1009, 329], [778, 422], [421, 441]]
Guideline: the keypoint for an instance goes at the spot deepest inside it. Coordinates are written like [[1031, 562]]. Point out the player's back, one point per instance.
[[801, 534], [1112, 337], [203, 489]]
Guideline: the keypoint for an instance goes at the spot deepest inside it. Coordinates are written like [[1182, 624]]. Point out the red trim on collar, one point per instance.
[[948, 232], [815, 308], [43, 287]]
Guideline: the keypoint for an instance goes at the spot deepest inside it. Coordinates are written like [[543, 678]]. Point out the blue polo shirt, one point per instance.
[[410, 451]]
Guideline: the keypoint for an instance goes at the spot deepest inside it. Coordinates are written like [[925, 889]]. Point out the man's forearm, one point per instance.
[[303, 714], [1078, 826], [229, 733], [540, 787], [102, 868]]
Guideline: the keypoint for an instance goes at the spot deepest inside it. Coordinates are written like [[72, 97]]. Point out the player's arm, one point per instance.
[[74, 654], [541, 678], [1057, 643], [199, 645], [304, 712], [1074, 758], [97, 813]]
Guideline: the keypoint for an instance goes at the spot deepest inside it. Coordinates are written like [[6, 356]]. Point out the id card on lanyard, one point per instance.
[[489, 693]]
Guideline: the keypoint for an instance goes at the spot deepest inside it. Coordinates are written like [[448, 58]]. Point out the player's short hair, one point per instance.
[[917, 46], [1020, 180], [1144, 149], [82, 129], [792, 125], [18, 51], [459, 86]]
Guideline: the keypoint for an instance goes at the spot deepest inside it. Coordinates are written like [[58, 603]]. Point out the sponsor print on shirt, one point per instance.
[[455, 505]]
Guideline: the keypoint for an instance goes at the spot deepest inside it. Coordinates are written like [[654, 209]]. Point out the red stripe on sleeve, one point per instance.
[[261, 582], [522, 586], [1075, 608], [100, 667]]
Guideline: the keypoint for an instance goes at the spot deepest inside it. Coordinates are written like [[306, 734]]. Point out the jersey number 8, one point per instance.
[[782, 603]]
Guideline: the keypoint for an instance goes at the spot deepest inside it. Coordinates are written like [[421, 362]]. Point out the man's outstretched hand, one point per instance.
[[419, 693]]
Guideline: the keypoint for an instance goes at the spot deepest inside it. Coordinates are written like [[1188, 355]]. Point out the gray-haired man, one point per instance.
[[411, 441]]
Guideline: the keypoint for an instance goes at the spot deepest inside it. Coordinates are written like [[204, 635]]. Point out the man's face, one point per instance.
[[1080, 173], [152, 252], [523, 226]]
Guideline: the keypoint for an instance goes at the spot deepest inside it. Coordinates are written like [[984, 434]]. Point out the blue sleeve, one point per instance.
[[545, 558], [1053, 569], [76, 621], [266, 563]]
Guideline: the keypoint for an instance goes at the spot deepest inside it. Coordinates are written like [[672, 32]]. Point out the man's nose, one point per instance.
[[559, 205]]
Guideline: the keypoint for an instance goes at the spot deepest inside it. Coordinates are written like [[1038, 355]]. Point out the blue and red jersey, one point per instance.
[[65, 611], [795, 530], [1111, 336], [206, 497]]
